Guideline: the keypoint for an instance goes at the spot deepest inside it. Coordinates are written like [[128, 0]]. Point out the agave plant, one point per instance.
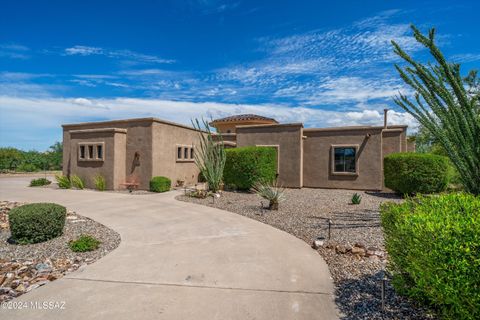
[[77, 182], [63, 181], [100, 183], [270, 191], [356, 198]]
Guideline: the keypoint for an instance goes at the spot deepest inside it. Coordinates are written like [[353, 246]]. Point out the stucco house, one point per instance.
[[138, 149]]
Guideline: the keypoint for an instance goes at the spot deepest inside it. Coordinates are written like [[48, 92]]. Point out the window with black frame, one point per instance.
[[345, 159]]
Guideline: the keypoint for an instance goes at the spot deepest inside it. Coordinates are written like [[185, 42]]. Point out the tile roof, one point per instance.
[[243, 117]]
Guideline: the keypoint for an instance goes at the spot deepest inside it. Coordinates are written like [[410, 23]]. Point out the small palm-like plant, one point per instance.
[[77, 182], [356, 198], [100, 183], [270, 191], [63, 181]]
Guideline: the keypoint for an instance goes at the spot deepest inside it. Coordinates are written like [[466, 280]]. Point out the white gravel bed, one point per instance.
[[305, 214]]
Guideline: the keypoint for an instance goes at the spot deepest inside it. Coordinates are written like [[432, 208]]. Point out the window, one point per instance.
[[345, 159], [99, 151], [82, 152], [91, 151], [185, 153], [179, 152]]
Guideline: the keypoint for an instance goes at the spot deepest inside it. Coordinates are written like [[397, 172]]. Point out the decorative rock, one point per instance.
[[317, 243], [358, 251], [21, 288], [22, 270], [341, 249]]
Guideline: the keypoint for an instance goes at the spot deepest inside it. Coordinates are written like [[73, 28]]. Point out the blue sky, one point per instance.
[[324, 63]]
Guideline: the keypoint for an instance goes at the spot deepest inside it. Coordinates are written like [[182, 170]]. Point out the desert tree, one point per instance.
[[442, 105]]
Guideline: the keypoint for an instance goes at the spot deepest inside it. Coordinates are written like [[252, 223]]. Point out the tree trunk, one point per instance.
[[273, 205]]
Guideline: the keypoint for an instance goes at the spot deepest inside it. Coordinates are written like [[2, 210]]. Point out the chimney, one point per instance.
[[385, 118]]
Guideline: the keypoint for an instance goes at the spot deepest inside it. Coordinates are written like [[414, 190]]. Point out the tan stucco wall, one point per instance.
[[288, 138], [112, 168], [225, 127], [392, 141], [165, 141], [138, 139], [317, 158]]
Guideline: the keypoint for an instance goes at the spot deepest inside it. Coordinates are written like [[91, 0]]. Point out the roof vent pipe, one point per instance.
[[385, 118]]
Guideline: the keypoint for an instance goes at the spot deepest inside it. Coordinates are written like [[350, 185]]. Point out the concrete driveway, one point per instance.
[[179, 261]]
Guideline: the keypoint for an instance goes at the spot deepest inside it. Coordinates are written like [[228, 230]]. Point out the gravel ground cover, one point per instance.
[[354, 253], [26, 267]]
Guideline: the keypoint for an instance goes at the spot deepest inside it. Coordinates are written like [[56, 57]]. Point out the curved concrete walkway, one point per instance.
[[179, 261]]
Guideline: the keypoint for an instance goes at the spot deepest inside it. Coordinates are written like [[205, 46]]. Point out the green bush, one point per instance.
[[63, 181], [246, 166], [29, 161], [410, 173], [433, 244], [77, 182], [39, 182], [36, 222], [84, 243], [27, 167], [100, 183], [160, 184]]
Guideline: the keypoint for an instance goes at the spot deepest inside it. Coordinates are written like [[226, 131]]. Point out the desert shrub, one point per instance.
[[77, 182], [410, 173], [30, 161], [356, 198], [271, 191], [209, 155], [160, 184], [27, 167], [63, 181], [36, 222], [100, 183], [84, 243], [39, 182], [246, 166], [433, 244]]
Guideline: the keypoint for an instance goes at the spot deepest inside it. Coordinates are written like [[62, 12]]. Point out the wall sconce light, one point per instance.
[[136, 158]]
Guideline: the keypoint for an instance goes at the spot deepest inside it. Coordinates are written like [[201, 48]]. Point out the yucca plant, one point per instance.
[[356, 198], [209, 155], [77, 182], [63, 181], [270, 191], [444, 107], [99, 182]]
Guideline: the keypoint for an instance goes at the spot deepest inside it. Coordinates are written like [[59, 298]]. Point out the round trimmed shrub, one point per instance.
[[410, 173], [36, 222], [246, 166], [160, 184]]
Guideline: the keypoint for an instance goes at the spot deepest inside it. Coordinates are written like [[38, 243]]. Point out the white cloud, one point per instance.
[[49, 113], [132, 56], [83, 51], [14, 51], [466, 57]]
